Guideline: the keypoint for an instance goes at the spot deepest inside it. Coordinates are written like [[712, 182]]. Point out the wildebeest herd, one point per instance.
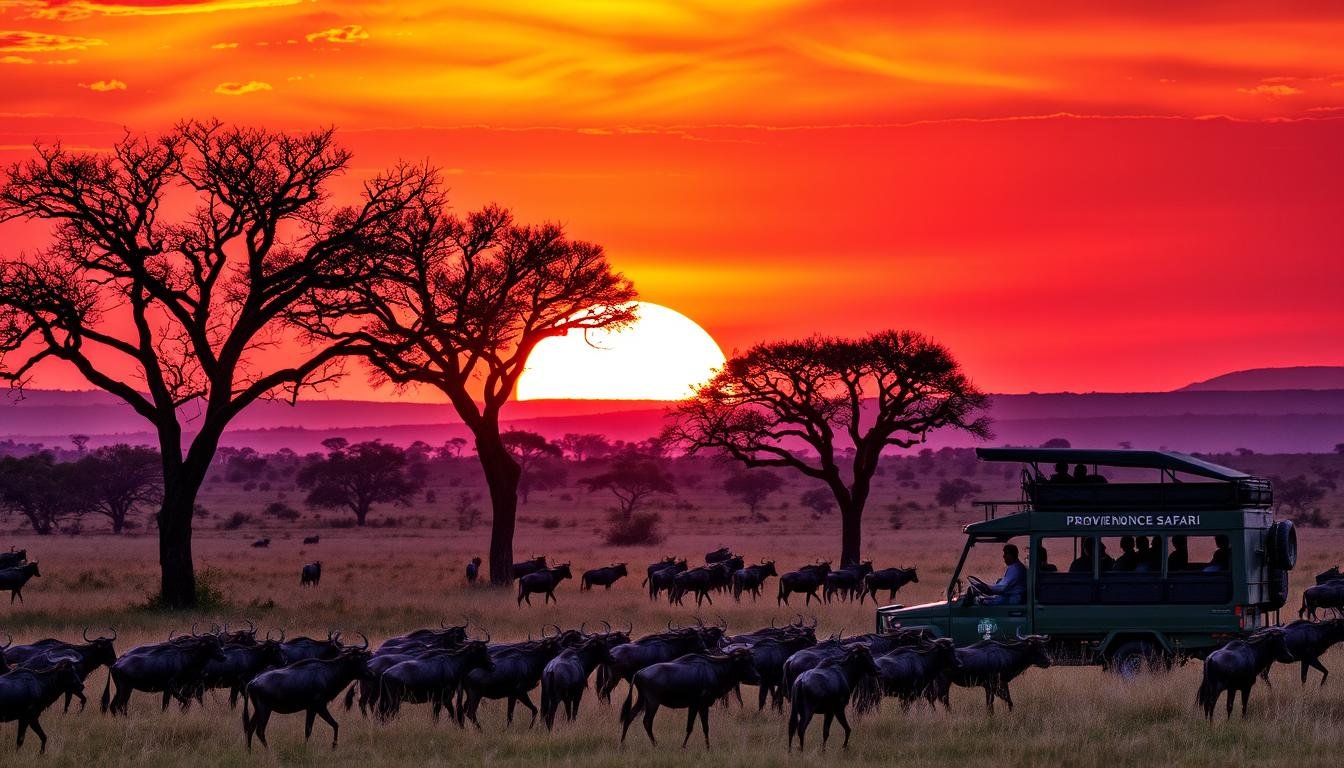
[[689, 667]]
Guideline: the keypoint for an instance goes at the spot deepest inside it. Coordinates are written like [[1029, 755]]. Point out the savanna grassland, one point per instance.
[[387, 580]]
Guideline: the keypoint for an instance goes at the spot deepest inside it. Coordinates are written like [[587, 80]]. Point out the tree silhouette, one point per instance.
[[633, 480], [120, 479], [357, 477], [753, 488], [820, 500], [803, 404], [185, 305], [952, 492], [530, 450], [42, 490], [459, 305], [584, 446]]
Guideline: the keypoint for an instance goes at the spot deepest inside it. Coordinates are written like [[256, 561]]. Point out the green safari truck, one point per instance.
[[1133, 559]]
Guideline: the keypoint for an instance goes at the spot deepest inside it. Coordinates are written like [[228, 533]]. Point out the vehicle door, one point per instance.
[[973, 620]]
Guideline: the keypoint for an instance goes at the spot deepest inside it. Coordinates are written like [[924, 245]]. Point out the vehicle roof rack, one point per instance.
[[1169, 461]]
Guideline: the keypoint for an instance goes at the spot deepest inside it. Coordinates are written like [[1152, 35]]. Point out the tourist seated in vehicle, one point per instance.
[[1179, 559], [1043, 564], [1009, 590], [1129, 558], [1083, 562], [1061, 474], [1081, 475], [1221, 560], [1150, 557]]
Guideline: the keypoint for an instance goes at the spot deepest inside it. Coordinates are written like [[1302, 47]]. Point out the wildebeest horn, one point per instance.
[[86, 635], [670, 628], [606, 624], [487, 634], [558, 630], [193, 629], [772, 622], [581, 628], [268, 635], [251, 628], [114, 633], [723, 623], [171, 632]]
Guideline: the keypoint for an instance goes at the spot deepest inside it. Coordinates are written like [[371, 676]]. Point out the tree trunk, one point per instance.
[[177, 587], [361, 514], [501, 476], [851, 534]]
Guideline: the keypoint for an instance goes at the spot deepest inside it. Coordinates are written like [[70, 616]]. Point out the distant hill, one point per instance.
[[1307, 377]]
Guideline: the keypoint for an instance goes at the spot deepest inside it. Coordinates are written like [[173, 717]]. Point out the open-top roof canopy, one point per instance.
[[1170, 461]]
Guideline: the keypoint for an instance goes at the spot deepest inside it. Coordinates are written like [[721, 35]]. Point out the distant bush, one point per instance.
[[235, 521], [639, 529], [264, 487], [281, 511], [431, 496], [249, 486]]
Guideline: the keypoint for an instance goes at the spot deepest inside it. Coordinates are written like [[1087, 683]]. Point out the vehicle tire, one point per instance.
[[1278, 589], [1137, 658], [1281, 546]]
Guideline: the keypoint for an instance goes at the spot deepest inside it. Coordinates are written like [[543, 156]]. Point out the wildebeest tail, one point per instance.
[[1207, 696], [867, 695], [350, 696], [794, 715], [107, 692], [628, 709], [604, 675], [247, 719], [389, 699]]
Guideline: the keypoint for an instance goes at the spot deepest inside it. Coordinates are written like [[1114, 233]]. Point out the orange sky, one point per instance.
[[1072, 199]]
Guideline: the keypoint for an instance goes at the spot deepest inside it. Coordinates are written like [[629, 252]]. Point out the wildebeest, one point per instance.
[[237, 665], [520, 570], [768, 655], [629, 658], [432, 677], [719, 555], [311, 575], [517, 670], [565, 678], [261, 543], [1330, 574], [26, 693], [473, 570], [825, 690], [1329, 595], [833, 648], [603, 577], [692, 682], [300, 648], [542, 582], [992, 665], [444, 637], [86, 657], [907, 673], [1234, 667], [307, 686], [1307, 642], [662, 579], [13, 557], [846, 582], [805, 581], [395, 650], [890, 579], [14, 578], [751, 577], [699, 581], [172, 668], [311, 539]]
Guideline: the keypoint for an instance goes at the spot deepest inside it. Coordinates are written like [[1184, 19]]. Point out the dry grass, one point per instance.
[[387, 581]]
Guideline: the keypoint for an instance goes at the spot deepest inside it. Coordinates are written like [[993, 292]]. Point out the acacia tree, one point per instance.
[[169, 315], [633, 480], [356, 477], [819, 404], [459, 305], [752, 488], [120, 479], [44, 491], [531, 450]]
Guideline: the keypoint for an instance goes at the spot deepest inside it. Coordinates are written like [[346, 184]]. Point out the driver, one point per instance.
[[1012, 588]]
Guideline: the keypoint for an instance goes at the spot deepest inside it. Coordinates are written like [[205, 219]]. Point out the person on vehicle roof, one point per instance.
[[1080, 475], [1061, 473], [1012, 588]]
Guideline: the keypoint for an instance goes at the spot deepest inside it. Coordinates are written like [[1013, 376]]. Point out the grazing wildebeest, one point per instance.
[[1234, 667], [658, 566], [92, 654], [718, 556], [662, 579], [261, 543], [405, 647], [768, 655], [528, 566], [13, 557], [311, 575], [172, 668], [890, 579], [808, 658], [300, 648], [444, 637], [629, 658], [907, 673], [846, 582], [699, 581], [237, 665], [307, 686], [542, 582], [26, 693], [825, 690], [1307, 642], [992, 665], [805, 581], [311, 539], [1329, 575], [603, 577], [692, 682], [473, 570], [517, 670], [750, 579], [14, 578], [1329, 595], [565, 678], [433, 677]]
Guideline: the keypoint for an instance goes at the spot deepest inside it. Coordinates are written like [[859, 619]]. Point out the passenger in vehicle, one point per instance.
[[1179, 559], [1221, 555], [1080, 475], [1061, 473], [1149, 558], [1107, 562], [1043, 564], [1129, 559], [1083, 562], [1012, 588]]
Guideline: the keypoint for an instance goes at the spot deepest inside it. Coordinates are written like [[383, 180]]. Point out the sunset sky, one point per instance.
[[1121, 199]]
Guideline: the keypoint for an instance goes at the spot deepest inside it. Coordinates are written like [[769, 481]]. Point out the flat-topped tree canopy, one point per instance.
[[1170, 461]]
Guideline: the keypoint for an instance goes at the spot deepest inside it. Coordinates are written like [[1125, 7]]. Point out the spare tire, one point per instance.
[[1281, 546], [1278, 589]]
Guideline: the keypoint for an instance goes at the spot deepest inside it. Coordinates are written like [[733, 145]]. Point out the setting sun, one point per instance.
[[662, 356]]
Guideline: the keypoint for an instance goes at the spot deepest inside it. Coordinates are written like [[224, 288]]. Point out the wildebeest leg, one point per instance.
[[1231, 698], [650, 709], [527, 702], [704, 723], [259, 721], [1006, 696], [572, 706], [804, 718], [23, 731], [629, 711], [989, 697], [762, 691], [826, 728], [308, 719], [473, 702], [1245, 699], [509, 719], [326, 717], [1314, 662], [691, 713], [844, 723], [41, 734], [166, 695]]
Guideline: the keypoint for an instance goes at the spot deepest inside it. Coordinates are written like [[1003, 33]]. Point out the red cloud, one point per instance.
[[103, 86], [238, 89], [21, 41], [350, 33]]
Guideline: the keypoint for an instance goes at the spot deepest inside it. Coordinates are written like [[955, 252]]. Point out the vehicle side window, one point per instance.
[[1131, 572], [1064, 572], [1199, 569]]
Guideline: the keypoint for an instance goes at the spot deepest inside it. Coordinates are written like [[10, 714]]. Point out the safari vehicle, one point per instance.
[[1215, 565]]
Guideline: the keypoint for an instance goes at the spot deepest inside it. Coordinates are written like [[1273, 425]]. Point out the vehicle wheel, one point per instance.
[[1278, 589], [1137, 658], [1282, 545]]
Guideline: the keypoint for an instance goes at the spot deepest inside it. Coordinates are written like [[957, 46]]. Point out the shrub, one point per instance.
[[550, 523], [281, 511], [235, 521], [641, 528], [249, 486], [431, 496], [264, 487]]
